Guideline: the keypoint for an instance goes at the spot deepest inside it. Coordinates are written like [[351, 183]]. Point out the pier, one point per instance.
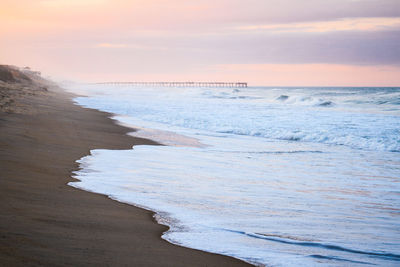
[[180, 84]]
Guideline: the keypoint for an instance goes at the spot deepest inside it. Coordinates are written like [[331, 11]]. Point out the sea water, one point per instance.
[[273, 176]]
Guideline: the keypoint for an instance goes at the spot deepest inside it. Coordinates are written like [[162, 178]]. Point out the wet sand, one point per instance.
[[44, 222]]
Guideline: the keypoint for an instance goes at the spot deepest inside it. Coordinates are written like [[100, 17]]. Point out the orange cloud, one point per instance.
[[71, 3]]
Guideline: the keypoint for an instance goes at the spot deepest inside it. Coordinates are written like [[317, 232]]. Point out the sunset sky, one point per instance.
[[263, 42]]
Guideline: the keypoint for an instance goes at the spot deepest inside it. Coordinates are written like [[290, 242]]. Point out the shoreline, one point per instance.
[[44, 221]]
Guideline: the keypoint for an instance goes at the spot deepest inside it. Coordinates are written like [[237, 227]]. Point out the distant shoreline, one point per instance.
[[43, 221]]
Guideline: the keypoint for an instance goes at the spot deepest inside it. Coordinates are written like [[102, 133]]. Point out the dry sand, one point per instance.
[[44, 222]]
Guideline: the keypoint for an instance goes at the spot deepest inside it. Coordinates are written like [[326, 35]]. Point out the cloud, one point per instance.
[[131, 46], [70, 3], [348, 24], [165, 36], [109, 45], [312, 74]]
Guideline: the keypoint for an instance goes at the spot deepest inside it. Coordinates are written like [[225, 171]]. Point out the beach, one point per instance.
[[43, 221], [276, 176], [200, 133]]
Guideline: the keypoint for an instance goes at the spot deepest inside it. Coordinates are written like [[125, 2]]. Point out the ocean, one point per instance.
[[272, 175]]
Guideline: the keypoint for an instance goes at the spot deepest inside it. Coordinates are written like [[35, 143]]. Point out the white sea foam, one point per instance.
[[276, 181], [259, 113]]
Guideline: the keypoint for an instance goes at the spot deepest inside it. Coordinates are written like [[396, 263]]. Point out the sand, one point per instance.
[[44, 222]]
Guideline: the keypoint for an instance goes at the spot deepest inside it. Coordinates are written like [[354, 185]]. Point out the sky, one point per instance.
[[262, 42]]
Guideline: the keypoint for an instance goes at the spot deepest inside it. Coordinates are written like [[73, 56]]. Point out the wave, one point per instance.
[[304, 100], [272, 152], [287, 99], [234, 97], [385, 142], [282, 97], [326, 104], [307, 243], [335, 258], [296, 117], [326, 97]]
